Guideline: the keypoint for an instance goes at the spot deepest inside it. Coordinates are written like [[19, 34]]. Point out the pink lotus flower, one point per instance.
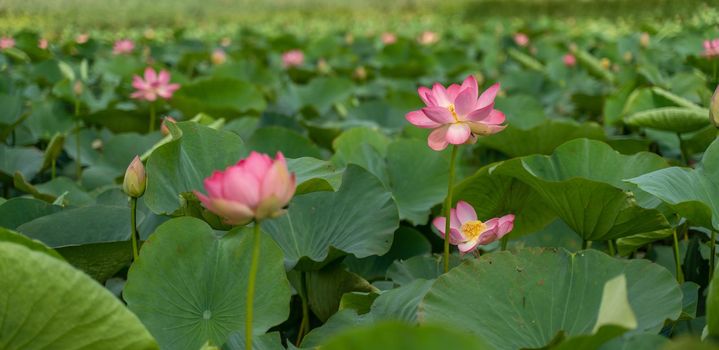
[[388, 38], [457, 114], [218, 57], [42, 44], [256, 187], [123, 47], [82, 38], [468, 233], [428, 38], [293, 58], [711, 48], [569, 60], [521, 39], [6, 42], [153, 86]]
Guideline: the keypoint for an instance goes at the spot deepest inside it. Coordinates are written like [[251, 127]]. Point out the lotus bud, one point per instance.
[[163, 128], [714, 108], [77, 88], [218, 57], [135, 179], [644, 40], [360, 73]]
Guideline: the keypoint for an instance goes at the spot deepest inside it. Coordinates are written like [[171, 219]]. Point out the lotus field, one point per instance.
[[545, 184]]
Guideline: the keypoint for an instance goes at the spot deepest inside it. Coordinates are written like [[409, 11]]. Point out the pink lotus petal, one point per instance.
[[485, 129], [440, 95], [452, 92], [481, 114], [471, 83], [438, 114], [164, 77], [150, 75], [419, 119], [437, 139], [495, 117], [465, 212], [458, 134], [487, 97], [241, 186], [213, 184], [234, 213], [426, 95], [465, 102]]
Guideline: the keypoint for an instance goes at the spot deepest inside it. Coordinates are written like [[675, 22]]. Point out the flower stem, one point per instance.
[[448, 206], [305, 324], [152, 117], [612, 249], [78, 162], [503, 243], [677, 259], [251, 284], [53, 169], [712, 253], [133, 223]]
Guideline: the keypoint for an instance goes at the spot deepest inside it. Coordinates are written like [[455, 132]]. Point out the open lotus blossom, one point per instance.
[[123, 47], [711, 48], [293, 58], [388, 38], [569, 60], [6, 42], [153, 86], [457, 114], [257, 187], [521, 39], [42, 44], [468, 233]]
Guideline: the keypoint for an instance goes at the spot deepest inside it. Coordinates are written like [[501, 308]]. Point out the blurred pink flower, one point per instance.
[[82, 38], [711, 48], [225, 42], [42, 44], [388, 38], [123, 47], [6, 42], [256, 187], [153, 86], [457, 114], [468, 233], [218, 56], [428, 38], [569, 60], [521, 39], [293, 58]]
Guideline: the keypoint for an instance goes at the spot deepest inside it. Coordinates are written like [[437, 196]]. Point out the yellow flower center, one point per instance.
[[472, 229], [454, 113]]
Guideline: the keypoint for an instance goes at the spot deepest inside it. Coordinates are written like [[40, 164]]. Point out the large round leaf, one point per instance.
[[47, 304], [418, 178], [219, 97], [515, 141], [182, 164], [692, 193], [523, 299], [582, 182], [360, 219], [189, 284]]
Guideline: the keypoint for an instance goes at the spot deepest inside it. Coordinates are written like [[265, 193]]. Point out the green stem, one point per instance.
[[677, 259], [53, 168], [712, 254], [612, 250], [152, 116], [251, 284], [305, 324], [133, 223], [714, 73], [448, 206], [78, 161], [585, 244], [685, 155], [504, 241]]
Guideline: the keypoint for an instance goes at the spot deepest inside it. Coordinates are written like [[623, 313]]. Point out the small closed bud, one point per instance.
[[714, 108], [163, 128], [77, 88], [644, 40], [135, 180]]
